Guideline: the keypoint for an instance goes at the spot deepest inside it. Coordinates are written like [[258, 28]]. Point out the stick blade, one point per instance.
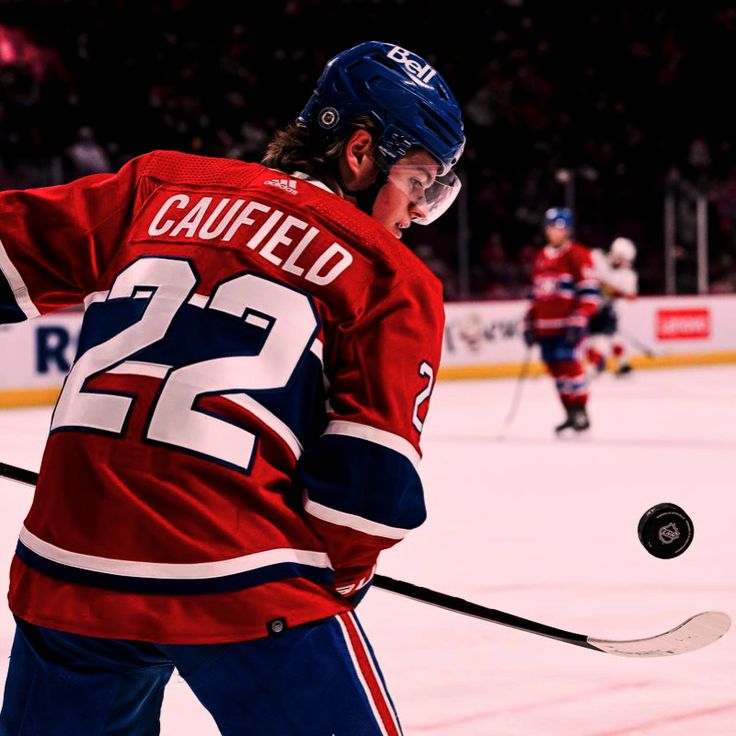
[[697, 632]]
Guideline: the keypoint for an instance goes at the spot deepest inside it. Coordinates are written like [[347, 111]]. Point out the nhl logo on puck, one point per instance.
[[665, 530], [328, 118]]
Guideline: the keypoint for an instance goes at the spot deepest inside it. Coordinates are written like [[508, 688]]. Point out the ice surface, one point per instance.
[[544, 528]]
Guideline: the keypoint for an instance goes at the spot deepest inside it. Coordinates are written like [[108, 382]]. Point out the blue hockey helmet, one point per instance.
[[400, 90], [559, 217]]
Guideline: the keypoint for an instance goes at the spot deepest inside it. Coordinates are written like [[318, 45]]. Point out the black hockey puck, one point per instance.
[[665, 531]]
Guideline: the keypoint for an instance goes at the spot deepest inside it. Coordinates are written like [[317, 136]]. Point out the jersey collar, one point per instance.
[[317, 183]]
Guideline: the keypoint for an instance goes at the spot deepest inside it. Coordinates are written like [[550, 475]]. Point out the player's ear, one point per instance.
[[358, 170]]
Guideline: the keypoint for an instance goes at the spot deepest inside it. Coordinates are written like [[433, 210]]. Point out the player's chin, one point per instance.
[[398, 229], [395, 230]]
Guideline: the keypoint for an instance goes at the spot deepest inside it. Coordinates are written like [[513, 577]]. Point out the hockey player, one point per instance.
[[618, 280], [565, 296], [238, 436]]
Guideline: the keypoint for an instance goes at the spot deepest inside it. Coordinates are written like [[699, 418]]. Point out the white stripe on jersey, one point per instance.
[[359, 523], [17, 285], [377, 436], [168, 570]]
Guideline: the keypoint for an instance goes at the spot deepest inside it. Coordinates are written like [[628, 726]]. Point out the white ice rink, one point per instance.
[[546, 529]]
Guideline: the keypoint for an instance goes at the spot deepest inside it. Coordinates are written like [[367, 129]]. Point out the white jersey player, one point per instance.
[[618, 280]]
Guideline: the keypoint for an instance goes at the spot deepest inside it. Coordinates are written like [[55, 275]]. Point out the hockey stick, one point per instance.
[[695, 633], [18, 474], [638, 344], [516, 398]]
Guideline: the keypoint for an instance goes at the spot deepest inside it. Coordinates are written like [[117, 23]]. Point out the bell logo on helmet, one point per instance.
[[328, 118], [417, 72]]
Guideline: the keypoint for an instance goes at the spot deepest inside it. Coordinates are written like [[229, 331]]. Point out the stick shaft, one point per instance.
[[460, 605], [18, 474], [639, 344], [515, 399]]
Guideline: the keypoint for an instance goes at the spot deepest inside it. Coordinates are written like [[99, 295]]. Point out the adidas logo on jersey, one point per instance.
[[288, 185], [414, 70]]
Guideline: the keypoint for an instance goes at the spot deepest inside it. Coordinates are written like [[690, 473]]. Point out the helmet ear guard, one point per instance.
[[391, 146]]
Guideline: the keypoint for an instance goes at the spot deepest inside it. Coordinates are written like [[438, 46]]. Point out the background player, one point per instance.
[[565, 295], [618, 279], [237, 438]]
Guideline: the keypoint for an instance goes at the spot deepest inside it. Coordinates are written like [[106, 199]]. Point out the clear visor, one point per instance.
[[429, 193]]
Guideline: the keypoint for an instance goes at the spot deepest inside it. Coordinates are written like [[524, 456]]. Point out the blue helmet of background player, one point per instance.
[[559, 217], [409, 100]]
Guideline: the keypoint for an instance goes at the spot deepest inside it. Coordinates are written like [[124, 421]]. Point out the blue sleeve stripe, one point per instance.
[[362, 484], [13, 292], [379, 436]]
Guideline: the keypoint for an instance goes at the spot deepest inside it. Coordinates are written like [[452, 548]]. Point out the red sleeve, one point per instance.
[[55, 241], [378, 370], [362, 490], [530, 315], [587, 287]]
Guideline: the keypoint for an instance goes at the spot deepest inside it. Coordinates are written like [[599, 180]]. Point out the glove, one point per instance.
[[574, 334], [354, 589], [529, 337], [358, 597]]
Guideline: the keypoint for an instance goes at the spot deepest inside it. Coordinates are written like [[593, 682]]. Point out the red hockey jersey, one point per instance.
[[237, 438], [565, 289]]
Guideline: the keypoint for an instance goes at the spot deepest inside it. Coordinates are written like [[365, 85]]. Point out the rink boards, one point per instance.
[[482, 340]]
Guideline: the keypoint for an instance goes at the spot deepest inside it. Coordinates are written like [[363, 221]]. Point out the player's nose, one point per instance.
[[416, 212]]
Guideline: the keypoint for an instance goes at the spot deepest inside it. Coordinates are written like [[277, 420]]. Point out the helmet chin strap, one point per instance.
[[365, 198]]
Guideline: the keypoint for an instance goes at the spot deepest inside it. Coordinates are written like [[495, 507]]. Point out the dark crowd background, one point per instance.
[[609, 102]]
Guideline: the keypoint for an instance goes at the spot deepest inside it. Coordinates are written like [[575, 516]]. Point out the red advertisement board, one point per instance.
[[683, 324]]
